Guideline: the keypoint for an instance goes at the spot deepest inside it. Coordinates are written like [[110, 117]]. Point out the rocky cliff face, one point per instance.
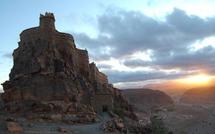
[[48, 67], [1, 102]]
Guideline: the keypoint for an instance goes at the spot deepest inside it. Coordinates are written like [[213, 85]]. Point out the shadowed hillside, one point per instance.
[[199, 95], [147, 99]]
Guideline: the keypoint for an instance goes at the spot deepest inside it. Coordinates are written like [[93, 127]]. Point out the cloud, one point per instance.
[[193, 26], [137, 63], [124, 33], [126, 76], [104, 66], [201, 59]]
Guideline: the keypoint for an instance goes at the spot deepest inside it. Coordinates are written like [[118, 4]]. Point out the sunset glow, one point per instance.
[[200, 79]]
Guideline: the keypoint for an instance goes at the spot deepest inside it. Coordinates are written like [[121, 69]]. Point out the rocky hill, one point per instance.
[[147, 99], [50, 74], [52, 82], [204, 95]]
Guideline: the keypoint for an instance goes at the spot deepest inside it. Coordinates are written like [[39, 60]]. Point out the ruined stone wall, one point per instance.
[[36, 33], [102, 102], [96, 75], [65, 37], [83, 62], [45, 49], [1, 101], [30, 34], [102, 77]]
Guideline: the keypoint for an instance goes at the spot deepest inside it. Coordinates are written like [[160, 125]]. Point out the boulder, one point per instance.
[[62, 130], [114, 125], [14, 127], [56, 117], [120, 125]]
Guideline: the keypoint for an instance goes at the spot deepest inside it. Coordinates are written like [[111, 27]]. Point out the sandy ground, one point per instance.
[[190, 119]]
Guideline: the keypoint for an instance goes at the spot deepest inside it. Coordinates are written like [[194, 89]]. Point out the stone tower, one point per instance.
[[47, 21]]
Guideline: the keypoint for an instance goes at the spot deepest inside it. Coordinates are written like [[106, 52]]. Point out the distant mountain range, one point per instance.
[[199, 95], [146, 99]]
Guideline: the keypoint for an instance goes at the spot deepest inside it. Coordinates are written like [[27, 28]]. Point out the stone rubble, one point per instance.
[[114, 125]]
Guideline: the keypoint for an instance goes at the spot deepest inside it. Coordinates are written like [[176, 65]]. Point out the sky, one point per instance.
[[134, 42]]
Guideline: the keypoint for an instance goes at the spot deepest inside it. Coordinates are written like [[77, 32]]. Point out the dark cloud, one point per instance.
[[202, 59], [193, 26], [127, 32], [125, 76], [137, 63]]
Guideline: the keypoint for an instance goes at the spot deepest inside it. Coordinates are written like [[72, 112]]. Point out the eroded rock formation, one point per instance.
[[49, 67]]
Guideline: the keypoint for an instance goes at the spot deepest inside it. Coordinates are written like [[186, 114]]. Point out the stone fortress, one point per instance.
[[47, 34], [49, 67]]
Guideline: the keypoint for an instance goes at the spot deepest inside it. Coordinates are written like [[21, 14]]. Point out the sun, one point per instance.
[[200, 79]]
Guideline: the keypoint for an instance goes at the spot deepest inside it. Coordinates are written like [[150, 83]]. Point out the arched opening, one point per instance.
[[104, 108]]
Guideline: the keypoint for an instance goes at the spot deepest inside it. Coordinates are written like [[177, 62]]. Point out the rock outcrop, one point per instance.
[[49, 69]]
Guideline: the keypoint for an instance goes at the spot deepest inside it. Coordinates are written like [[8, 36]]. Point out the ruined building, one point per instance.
[[49, 67]]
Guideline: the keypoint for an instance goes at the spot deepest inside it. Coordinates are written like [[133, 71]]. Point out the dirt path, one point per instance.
[[52, 128]]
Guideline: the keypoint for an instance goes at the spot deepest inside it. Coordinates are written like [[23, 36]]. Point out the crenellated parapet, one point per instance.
[[47, 21]]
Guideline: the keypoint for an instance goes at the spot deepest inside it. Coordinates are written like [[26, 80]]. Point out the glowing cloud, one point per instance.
[[200, 79]]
